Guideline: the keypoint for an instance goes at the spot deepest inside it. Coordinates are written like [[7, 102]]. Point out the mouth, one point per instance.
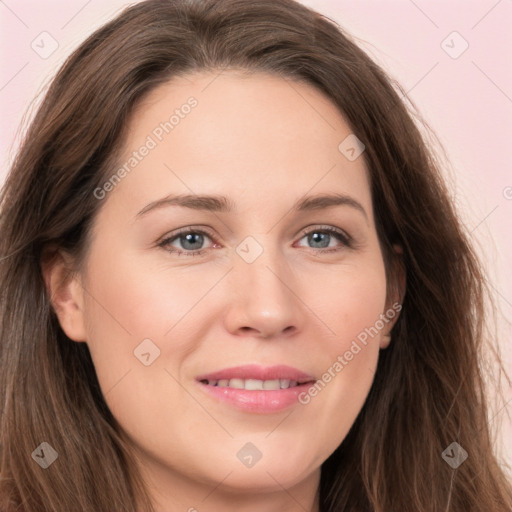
[[257, 389], [256, 377], [256, 384]]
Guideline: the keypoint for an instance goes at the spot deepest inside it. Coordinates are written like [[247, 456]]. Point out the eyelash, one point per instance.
[[344, 238]]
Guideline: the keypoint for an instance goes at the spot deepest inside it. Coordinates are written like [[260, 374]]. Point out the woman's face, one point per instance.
[[270, 277]]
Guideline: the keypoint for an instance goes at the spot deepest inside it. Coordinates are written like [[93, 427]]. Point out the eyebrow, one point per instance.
[[222, 204]]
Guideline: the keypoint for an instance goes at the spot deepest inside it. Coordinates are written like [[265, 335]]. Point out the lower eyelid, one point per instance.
[[166, 242], [343, 238], [339, 234]]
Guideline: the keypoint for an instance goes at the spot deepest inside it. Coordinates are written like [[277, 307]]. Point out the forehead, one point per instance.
[[253, 135]]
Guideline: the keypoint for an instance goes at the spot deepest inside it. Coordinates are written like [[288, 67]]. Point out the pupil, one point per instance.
[[193, 238], [315, 237]]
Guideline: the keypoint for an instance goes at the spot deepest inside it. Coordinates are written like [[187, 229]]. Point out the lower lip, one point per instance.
[[257, 401]]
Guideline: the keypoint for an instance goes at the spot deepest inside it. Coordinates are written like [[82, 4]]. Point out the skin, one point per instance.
[[264, 142]]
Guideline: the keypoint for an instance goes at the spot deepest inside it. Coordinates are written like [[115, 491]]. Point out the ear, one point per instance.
[[395, 295], [66, 293]]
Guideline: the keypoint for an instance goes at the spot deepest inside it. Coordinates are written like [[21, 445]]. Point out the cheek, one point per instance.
[[352, 304], [176, 307], [131, 301], [134, 309], [125, 306], [353, 308]]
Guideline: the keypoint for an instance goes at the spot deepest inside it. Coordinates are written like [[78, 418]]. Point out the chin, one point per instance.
[[263, 480]]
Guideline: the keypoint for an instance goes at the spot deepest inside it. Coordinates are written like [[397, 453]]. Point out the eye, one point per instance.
[[321, 238], [190, 242]]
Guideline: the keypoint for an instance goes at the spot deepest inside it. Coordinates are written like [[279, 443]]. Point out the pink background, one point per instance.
[[467, 100]]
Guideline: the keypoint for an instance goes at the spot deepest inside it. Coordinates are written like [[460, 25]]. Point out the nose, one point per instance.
[[263, 298]]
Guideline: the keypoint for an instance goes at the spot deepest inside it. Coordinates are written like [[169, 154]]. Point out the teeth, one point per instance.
[[236, 383], [271, 384], [254, 384]]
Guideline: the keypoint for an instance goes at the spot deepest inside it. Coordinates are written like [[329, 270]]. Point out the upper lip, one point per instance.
[[254, 371]]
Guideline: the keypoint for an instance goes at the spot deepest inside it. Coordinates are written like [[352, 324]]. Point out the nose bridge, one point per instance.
[[262, 289], [266, 274], [260, 263]]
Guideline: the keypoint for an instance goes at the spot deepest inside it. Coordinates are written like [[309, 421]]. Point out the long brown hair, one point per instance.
[[429, 385]]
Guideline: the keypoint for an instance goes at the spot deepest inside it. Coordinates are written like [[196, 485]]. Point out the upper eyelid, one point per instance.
[[186, 231], [330, 229], [302, 233]]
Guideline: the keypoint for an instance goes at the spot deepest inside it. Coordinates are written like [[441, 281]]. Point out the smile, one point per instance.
[[254, 384]]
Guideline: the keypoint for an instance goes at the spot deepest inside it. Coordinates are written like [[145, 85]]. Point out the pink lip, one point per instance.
[[257, 401], [254, 371]]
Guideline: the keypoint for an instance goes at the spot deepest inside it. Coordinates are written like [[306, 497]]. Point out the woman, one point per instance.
[[264, 372]]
